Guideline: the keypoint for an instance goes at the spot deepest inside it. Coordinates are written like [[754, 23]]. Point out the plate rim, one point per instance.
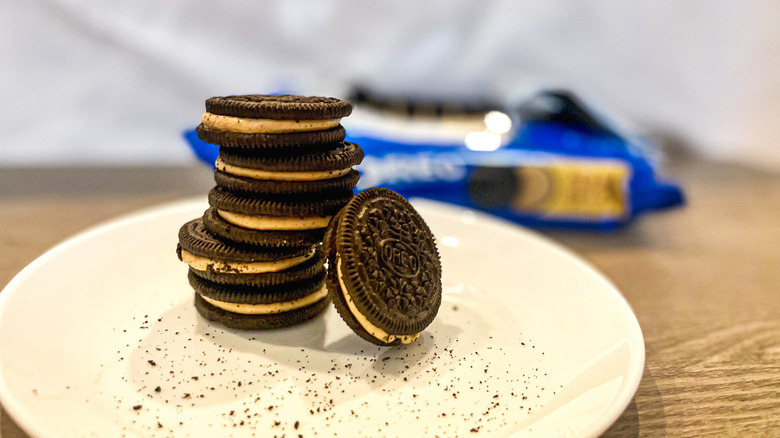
[[628, 388], [8, 401]]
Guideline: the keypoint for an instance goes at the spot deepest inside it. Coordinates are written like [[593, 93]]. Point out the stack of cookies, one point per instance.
[[283, 171]]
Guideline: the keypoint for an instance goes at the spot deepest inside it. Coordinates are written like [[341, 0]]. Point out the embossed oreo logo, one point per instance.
[[399, 257]]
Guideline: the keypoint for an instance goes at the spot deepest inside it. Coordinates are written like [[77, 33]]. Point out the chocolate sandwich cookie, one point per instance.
[[280, 163], [307, 170], [269, 238], [237, 183], [259, 140], [263, 322], [384, 272], [277, 213], [310, 268], [261, 113], [250, 307], [250, 294], [204, 252]]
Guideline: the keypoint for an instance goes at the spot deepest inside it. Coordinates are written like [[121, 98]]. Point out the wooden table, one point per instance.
[[704, 281]]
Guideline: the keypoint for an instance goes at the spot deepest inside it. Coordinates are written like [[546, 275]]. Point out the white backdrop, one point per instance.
[[115, 82]]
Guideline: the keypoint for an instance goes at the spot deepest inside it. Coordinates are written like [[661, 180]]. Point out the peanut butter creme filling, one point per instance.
[[279, 176], [264, 126], [228, 267], [270, 308], [361, 319], [274, 223]]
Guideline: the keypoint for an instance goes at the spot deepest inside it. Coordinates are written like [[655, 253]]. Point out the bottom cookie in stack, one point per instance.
[[252, 287], [248, 307]]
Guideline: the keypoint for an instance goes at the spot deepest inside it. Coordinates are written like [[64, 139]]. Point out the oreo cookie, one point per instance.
[[235, 183], [197, 241], [244, 321], [251, 307], [266, 114], [334, 156], [308, 171], [384, 271], [279, 107], [311, 267], [249, 140], [281, 238], [296, 209], [250, 294], [284, 170]]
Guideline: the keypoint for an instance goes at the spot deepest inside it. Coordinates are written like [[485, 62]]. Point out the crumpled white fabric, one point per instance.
[[113, 82]]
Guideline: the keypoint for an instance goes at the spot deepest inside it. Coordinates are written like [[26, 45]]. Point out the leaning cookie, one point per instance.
[[384, 272]]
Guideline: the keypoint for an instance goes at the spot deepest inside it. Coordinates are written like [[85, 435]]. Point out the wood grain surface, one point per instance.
[[703, 280]]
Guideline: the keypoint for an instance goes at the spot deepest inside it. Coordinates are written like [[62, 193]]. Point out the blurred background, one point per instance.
[[103, 82]]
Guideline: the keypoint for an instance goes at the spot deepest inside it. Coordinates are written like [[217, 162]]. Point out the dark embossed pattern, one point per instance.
[[397, 260]]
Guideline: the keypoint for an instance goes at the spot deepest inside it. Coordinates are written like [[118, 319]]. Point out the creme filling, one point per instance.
[[269, 126], [279, 176], [266, 309], [365, 323], [221, 266], [274, 223]]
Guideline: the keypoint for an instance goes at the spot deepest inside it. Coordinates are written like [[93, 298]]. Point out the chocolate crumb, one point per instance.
[[137, 407]]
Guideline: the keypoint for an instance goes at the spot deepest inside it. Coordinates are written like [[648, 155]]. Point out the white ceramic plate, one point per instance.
[[529, 341]]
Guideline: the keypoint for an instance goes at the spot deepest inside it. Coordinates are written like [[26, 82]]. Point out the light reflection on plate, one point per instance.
[[529, 341]]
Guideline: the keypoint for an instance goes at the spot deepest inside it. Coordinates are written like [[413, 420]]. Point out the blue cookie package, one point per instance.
[[560, 167]]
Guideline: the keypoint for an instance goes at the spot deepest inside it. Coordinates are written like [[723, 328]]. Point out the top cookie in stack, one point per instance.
[[283, 169]]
